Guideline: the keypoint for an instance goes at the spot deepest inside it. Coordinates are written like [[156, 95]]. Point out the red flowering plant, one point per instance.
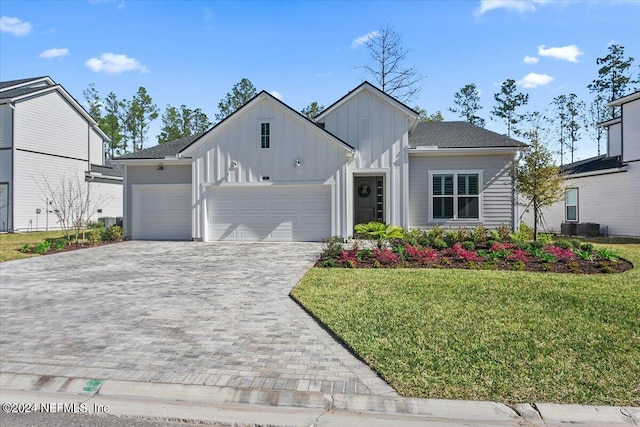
[[565, 254], [418, 254], [349, 257], [385, 256], [518, 255], [458, 251]]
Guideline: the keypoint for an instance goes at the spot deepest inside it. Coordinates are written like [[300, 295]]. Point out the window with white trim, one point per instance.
[[455, 195], [571, 204], [265, 135]]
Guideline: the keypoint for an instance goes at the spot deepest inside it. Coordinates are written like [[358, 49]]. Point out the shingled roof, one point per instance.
[[458, 135], [22, 89], [160, 151], [592, 164]]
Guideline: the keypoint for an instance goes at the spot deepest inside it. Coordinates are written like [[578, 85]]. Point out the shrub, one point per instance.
[[587, 255], [518, 266], [332, 248], [94, 235], [587, 247], [518, 255], [401, 251], [328, 263], [378, 231], [94, 224], [112, 234], [468, 245], [439, 244], [348, 257], [480, 235], [607, 254], [458, 235], [575, 243], [564, 244], [523, 234], [25, 248], [60, 246], [42, 247], [502, 232], [491, 242], [561, 253], [537, 245], [415, 237], [545, 238], [436, 232], [364, 254]]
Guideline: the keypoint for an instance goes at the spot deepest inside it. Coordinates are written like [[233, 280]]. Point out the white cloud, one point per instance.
[[54, 53], [530, 59], [112, 63], [363, 39], [565, 53], [276, 94], [515, 5], [533, 80], [14, 26]]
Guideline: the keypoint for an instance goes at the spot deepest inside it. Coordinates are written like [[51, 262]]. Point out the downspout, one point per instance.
[[12, 105]]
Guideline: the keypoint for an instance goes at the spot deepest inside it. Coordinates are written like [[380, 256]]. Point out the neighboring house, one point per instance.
[[604, 190], [268, 173], [45, 137]]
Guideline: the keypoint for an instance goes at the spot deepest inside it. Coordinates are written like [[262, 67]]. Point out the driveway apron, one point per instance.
[[173, 312]]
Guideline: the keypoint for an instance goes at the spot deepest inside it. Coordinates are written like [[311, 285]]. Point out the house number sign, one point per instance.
[[364, 190]]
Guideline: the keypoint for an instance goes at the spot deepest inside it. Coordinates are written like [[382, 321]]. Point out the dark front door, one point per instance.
[[368, 199]]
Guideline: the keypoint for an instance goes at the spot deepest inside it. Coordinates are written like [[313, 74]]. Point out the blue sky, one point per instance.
[[193, 52]]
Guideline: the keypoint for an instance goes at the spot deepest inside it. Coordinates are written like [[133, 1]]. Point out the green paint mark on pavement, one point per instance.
[[92, 386]]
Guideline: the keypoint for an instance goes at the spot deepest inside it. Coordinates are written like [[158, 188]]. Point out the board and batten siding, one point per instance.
[[611, 200], [631, 132], [96, 148], [322, 160], [170, 174], [497, 194], [379, 132], [49, 124]]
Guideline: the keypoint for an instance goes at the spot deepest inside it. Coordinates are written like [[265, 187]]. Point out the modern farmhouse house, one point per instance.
[[604, 190], [266, 172], [46, 137]]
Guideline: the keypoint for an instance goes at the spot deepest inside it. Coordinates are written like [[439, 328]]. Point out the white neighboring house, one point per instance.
[[604, 190], [267, 172], [45, 135]]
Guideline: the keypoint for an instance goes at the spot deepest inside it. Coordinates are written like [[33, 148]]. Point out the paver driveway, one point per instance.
[[177, 312]]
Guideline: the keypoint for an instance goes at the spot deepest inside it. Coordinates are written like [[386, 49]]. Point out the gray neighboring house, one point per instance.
[[46, 135], [267, 172], [604, 190]]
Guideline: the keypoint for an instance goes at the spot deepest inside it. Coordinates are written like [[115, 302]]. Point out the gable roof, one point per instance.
[[162, 151], [628, 98], [592, 164], [106, 170], [262, 95], [368, 86], [16, 90], [458, 135]]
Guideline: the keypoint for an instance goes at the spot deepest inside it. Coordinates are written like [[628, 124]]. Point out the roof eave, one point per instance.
[[436, 151], [153, 161]]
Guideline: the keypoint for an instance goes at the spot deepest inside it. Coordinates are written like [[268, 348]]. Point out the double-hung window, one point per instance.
[[571, 204], [455, 195], [265, 135]]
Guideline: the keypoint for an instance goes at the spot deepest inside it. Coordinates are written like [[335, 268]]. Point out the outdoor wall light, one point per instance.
[[297, 163], [234, 164]]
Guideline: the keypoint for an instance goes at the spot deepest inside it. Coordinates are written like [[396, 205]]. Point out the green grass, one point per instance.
[[10, 244], [490, 335]]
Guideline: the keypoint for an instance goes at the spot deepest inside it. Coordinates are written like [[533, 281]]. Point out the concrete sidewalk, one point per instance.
[[230, 405]]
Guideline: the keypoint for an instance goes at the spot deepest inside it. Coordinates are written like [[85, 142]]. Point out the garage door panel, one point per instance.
[[283, 213], [162, 213]]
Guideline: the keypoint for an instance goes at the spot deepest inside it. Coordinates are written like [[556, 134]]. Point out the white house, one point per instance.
[[45, 136], [266, 172], [605, 190]]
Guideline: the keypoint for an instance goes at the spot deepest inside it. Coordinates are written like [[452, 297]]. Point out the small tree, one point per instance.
[[178, 123], [467, 100], [423, 116], [72, 202], [597, 115], [141, 112], [536, 177]]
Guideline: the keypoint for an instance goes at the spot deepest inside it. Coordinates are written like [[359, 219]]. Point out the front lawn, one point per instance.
[[11, 243], [508, 336]]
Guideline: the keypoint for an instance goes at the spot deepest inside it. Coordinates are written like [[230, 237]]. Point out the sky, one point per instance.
[[193, 52]]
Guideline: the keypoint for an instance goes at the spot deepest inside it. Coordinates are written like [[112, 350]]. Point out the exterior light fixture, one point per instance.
[[297, 163]]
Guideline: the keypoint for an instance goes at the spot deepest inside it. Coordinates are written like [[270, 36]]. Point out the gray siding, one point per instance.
[[5, 125], [170, 174], [631, 132], [614, 140], [496, 188]]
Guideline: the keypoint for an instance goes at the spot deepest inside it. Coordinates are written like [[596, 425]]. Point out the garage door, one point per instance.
[[161, 212], [279, 213]]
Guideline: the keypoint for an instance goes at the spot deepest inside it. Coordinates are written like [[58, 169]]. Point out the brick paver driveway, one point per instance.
[[177, 312]]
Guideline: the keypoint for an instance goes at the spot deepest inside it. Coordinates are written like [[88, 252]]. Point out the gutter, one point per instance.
[[596, 173], [436, 151]]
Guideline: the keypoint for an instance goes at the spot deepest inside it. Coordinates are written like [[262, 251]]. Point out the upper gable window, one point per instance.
[[265, 135]]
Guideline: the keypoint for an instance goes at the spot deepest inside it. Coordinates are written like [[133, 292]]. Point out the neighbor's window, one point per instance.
[[571, 204], [455, 195], [265, 135]]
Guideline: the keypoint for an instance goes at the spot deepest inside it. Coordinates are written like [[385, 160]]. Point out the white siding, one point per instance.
[[34, 174], [379, 132], [611, 200], [322, 159], [5, 125], [614, 140], [170, 174], [111, 199], [49, 124], [631, 131], [96, 147], [496, 188]]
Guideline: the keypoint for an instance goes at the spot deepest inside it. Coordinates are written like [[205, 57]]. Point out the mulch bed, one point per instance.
[[71, 247]]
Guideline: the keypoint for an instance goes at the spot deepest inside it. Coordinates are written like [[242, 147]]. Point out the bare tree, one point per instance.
[[387, 56], [72, 202]]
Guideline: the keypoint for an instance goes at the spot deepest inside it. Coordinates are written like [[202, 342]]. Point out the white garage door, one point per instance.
[[280, 213], [161, 212]]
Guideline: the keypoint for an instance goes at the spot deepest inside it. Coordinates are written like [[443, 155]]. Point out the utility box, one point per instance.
[[569, 228], [588, 229]]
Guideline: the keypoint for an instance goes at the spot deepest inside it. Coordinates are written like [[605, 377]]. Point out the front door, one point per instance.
[[368, 199]]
